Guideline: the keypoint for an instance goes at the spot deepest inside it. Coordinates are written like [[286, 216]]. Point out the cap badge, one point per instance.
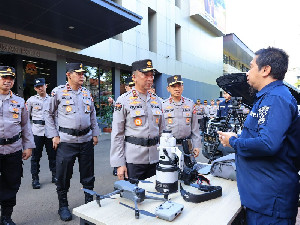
[[175, 78], [8, 69], [149, 64], [81, 65]]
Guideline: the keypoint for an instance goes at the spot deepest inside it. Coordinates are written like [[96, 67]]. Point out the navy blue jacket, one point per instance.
[[267, 153], [223, 108]]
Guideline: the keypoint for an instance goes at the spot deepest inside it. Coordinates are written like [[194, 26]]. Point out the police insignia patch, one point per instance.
[[118, 107], [138, 121], [68, 108], [263, 114]]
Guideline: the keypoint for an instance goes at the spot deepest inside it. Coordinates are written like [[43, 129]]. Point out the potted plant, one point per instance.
[[106, 113]]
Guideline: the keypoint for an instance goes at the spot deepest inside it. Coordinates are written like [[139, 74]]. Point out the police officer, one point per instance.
[[129, 83], [137, 124], [198, 107], [15, 135], [206, 114], [36, 105], [224, 105], [180, 115], [267, 151], [74, 136], [213, 109]]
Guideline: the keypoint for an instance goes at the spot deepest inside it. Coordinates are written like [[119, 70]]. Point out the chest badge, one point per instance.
[[68, 102], [170, 121], [187, 120], [137, 113], [187, 114], [157, 120], [16, 110], [68, 108], [16, 116], [157, 112], [138, 121], [88, 108]]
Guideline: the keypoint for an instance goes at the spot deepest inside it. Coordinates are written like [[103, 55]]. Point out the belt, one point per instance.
[[142, 141], [179, 141], [42, 122], [75, 132], [7, 141]]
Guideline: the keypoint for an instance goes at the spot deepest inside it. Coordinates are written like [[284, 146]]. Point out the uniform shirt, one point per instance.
[[206, 110], [223, 108], [213, 111], [36, 106], [199, 111], [266, 172], [14, 118], [181, 118], [72, 109], [137, 117]]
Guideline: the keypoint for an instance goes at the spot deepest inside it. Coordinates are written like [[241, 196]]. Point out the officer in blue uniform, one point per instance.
[[74, 135], [15, 135], [224, 105], [36, 105], [267, 151]]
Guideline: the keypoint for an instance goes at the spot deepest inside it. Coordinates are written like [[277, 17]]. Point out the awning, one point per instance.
[[75, 23], [233, 45]]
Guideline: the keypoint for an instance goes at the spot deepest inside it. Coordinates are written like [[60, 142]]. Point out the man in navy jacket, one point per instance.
[[267, 151]]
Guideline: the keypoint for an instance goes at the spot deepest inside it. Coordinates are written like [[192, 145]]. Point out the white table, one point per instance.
[[217, 211]]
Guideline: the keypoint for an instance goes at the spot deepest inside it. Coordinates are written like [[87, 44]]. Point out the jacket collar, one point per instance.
[[269, 87]]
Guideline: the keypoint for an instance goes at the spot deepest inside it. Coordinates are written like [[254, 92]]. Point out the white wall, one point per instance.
[[202, 51]]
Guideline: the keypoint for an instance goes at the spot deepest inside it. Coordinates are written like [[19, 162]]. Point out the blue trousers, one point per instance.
[[255, 218]]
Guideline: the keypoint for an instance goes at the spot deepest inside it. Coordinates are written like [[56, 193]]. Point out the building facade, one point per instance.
[[181, 37]]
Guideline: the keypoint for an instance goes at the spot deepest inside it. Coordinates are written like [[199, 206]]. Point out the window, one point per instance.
[[152, 30], [178, 42]]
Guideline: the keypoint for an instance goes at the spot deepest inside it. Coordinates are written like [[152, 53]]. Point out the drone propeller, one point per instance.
[[155, 193], [136, 181], [91, 192], [140, 210], [146, 181]]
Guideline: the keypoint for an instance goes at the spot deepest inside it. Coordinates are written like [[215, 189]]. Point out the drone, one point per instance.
[[129, 189]]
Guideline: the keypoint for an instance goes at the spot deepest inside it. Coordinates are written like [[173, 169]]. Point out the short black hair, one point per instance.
[[276, 58]]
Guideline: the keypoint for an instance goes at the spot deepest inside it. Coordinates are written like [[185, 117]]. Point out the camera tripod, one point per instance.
[[238, 116]]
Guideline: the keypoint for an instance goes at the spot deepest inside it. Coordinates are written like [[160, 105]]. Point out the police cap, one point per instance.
[[7, 71], [143, 66], [39, 82], [205, 101], [129, 81], [76, 67], [174, 79]]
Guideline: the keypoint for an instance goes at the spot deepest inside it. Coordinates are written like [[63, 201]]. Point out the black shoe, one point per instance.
[[115, 171], [54, 179], [6, 221], [36, 184], [64, 213]]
